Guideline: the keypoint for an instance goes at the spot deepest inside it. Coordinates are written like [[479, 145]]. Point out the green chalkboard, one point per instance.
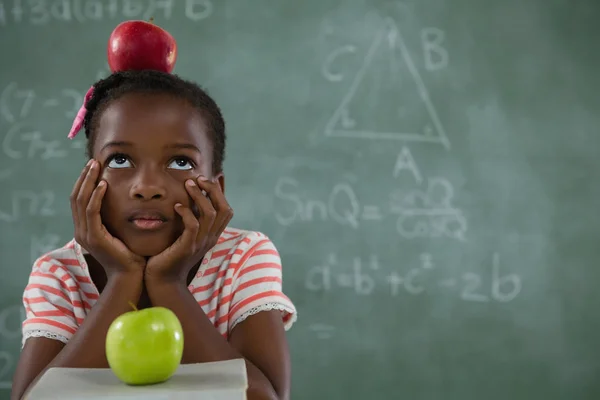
[[428, 170]]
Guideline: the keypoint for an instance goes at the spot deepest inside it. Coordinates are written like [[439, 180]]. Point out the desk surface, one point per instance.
[[223, 380]]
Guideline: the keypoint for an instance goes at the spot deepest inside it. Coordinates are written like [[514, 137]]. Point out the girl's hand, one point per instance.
[[110, 252], [199, 236]]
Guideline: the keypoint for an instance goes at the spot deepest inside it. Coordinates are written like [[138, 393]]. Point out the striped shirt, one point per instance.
[[240, 276]]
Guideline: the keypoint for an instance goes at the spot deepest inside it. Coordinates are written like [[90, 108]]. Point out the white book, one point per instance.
[[221, 380]]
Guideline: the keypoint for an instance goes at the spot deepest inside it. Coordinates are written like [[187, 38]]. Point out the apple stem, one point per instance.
[[151, 20], [132, 305]]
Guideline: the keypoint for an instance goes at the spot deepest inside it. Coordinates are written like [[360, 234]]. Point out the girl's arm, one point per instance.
[[86, 349], [260, 340], [124, 271]]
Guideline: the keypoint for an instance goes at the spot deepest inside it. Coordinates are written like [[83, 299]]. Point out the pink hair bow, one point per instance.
[[80, 117]]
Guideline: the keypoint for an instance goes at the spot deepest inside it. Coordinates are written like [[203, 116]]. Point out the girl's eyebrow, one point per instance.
[[183, 146], [170, 146], [116, 144]]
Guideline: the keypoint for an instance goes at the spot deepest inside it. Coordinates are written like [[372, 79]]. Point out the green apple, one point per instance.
[[144, 347]]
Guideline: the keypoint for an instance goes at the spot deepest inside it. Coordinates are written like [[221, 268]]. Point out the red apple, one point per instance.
[[137, 45]]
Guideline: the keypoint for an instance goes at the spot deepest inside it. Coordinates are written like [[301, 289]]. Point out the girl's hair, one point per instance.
[[149, 81]]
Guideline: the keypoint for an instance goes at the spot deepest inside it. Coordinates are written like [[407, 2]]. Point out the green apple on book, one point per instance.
[[144, 347]]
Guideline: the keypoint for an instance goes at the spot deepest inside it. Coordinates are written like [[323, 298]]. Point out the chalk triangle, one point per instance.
[[387, 98]]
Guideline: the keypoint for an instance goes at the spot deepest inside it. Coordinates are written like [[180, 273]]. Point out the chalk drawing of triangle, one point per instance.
[[387, 98]]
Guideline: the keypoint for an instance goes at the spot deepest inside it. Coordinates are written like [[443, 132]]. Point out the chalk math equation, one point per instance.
[[400, 111], [45, 12], [22, 140], [418, 213], [364, 277]]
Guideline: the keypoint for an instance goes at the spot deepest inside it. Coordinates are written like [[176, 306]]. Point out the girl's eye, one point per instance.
[[119, 161], [181, 163]]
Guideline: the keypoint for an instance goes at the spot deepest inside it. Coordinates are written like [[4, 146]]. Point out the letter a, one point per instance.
[[405, 160]]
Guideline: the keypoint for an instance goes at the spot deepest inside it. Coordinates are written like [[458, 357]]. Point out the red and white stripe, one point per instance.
[[238, 277]]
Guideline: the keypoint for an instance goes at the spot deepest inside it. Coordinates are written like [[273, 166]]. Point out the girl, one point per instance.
[[151, 227]]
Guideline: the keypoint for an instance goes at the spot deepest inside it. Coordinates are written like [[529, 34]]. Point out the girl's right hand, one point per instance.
[[91, 234]]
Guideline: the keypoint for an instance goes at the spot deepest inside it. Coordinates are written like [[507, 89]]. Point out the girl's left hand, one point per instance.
[[200, 234]]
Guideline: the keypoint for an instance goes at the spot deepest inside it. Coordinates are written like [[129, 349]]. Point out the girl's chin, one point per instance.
[[148, 247]]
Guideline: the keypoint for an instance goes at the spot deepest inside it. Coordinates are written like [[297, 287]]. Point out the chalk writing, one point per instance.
[[504, 288], [435, 56], [341, 205], [430, 213], [21, 142], [327, 69], [364, 280], [472, 282], [21, 101], [28, 203], [405, 161], [44, 12], [197, 10], [321, 278], [16, 103], [350, 120]]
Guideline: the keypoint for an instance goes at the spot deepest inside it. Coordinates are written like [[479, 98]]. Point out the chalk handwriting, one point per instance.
[[405, 161], [320, 277], [327, 69], [75, 100], [44, 12], [197, 10], [387, 43], [17, 103], [429, 214], [363, 279], [472, 283], [407, 282], [420, 214], [504, 288], [21, 142], [28, 203], [21, 101], [435, 56], [341, 206]]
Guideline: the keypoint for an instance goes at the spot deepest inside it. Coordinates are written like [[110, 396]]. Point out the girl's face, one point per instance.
[[148, 145]]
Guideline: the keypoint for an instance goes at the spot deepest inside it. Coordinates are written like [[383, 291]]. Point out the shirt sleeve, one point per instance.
[[258, 286], [49, 299]]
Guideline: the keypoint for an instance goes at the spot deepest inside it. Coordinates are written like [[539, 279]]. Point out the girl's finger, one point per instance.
[[191, 226], [201, 201], [85, 192], [219, 203], [214, 193], [75, 191], [205, 207], [92, 212]]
